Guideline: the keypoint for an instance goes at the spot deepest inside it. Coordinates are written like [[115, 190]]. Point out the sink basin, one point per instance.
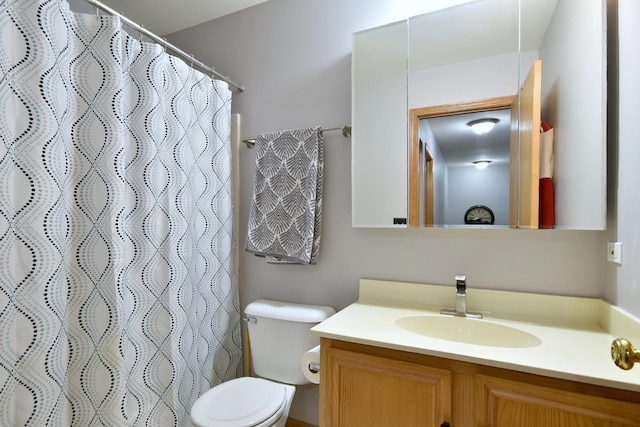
[[469, 331]]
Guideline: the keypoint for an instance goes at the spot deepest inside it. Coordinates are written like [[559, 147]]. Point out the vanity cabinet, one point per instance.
[[502, 402], [371, 386], [368, 390]]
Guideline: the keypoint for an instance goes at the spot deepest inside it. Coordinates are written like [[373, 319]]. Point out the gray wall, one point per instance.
[[468, 186], [294, 59], [622, 283]]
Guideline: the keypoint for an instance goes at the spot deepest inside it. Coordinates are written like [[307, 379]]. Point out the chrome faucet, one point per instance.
[[461, 300]]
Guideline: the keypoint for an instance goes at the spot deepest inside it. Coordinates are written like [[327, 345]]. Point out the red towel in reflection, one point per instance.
[[547, 214]]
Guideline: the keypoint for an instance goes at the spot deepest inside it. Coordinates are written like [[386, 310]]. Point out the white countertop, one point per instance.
[[575, 333]]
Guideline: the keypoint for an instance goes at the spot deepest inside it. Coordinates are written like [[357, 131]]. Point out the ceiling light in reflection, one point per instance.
[[482, 126], [481, 164]]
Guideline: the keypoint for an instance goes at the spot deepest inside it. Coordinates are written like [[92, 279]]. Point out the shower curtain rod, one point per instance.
[[346, 132], [139, 28]]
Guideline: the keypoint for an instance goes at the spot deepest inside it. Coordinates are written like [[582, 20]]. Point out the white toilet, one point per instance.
[[279, 336]]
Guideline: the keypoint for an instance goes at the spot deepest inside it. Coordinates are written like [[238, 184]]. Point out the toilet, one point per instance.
[[279, 336]]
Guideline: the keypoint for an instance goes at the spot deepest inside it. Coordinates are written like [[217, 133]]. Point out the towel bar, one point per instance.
[[346, 132]]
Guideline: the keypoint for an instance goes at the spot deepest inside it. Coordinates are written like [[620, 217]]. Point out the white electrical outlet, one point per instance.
[[614, 252]]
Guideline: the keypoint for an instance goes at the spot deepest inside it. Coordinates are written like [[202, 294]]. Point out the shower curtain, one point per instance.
[[118, 292]]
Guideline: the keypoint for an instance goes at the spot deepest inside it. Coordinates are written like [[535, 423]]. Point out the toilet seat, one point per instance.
[[246, 401]]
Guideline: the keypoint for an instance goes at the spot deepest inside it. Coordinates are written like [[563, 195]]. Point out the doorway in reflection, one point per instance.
[[444, 151]]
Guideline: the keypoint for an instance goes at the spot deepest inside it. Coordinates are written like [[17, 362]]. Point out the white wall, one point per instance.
[[463, 81], [570, 89], [470, 186]]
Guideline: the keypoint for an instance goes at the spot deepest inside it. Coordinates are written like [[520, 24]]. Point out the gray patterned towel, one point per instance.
[[286, 209]]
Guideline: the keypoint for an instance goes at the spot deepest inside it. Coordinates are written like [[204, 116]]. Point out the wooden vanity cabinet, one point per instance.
[[367, 390], [370, 386]]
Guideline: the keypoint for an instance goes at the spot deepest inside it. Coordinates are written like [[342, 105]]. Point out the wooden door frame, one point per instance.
[[428, 188], [417, 114]]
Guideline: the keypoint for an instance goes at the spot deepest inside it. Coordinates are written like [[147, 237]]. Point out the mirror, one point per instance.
[[379, 85], [474, 58]]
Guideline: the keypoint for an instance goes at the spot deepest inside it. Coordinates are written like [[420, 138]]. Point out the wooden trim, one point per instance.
[[296, 423], [528, 148], [514, 202], [414, 169], [415, 115], [428, 189], [487, 104]]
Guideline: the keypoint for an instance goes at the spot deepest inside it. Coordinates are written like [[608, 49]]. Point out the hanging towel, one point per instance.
[[286, 210], [547, 217]]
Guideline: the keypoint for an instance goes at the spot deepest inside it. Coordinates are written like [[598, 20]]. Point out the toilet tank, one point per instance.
[[279, 335]]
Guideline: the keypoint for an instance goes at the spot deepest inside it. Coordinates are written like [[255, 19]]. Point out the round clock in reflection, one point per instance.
[[479, 214]]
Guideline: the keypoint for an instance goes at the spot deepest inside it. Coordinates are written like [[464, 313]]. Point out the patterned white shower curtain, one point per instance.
[[118, 296]]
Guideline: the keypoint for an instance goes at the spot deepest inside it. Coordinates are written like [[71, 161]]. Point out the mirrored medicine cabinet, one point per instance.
[[418, 84]]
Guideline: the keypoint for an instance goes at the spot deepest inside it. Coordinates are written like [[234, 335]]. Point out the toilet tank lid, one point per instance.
[[289, 311]]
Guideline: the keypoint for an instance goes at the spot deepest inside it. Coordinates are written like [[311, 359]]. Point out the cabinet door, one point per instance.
[[525, 151], [372, 391], [379, 120], [504, 403]]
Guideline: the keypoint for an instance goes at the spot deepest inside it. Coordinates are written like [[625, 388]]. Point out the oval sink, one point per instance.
[[469, 331]]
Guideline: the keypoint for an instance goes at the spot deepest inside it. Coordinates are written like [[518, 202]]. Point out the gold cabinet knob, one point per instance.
[[623, 353]]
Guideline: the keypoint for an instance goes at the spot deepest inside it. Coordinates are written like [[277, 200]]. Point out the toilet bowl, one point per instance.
[[246, 401], [279, 333]]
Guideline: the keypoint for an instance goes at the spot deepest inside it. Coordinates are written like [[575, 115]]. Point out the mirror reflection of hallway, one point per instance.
[[443, 181]]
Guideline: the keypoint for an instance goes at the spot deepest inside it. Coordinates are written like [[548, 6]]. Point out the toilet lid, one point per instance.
[[245, 401]]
